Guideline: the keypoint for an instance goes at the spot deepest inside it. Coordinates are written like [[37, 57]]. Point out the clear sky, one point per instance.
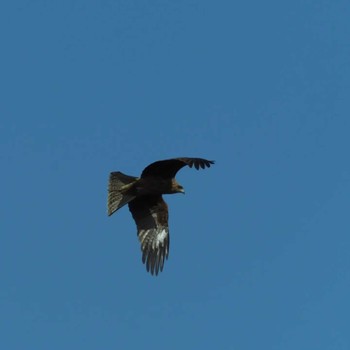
[[260, 243]]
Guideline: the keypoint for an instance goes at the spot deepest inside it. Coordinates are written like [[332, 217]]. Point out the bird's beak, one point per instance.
[[182, 191]]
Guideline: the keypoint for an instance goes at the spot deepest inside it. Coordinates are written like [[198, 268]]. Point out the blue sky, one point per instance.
[[259, 254]]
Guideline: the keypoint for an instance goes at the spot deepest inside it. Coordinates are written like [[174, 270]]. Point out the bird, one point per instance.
[[149, 210]]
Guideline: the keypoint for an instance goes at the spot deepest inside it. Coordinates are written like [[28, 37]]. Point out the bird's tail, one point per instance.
[[118, 191]]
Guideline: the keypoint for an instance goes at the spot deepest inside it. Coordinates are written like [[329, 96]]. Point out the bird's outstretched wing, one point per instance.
[[169, 167], [151, 216]]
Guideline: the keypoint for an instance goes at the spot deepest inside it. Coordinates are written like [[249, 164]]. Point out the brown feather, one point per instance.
[[169, 167], [118, 195]]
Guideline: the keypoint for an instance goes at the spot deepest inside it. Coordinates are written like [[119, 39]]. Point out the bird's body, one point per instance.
[[146, 204], [155, 186]]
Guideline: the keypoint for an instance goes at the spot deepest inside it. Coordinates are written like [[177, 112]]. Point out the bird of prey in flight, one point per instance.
[[144, 196]]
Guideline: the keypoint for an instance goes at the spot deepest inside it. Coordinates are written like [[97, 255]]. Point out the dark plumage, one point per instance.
[[146, 204]]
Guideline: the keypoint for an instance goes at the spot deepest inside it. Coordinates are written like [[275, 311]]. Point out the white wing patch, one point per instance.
[[161, 237], [153, 237], [155, 248]]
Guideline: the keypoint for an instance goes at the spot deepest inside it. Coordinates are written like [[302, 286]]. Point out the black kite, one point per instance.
[[146, 204]]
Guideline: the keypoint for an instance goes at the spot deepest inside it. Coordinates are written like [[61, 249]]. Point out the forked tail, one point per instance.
[[118, 191]]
